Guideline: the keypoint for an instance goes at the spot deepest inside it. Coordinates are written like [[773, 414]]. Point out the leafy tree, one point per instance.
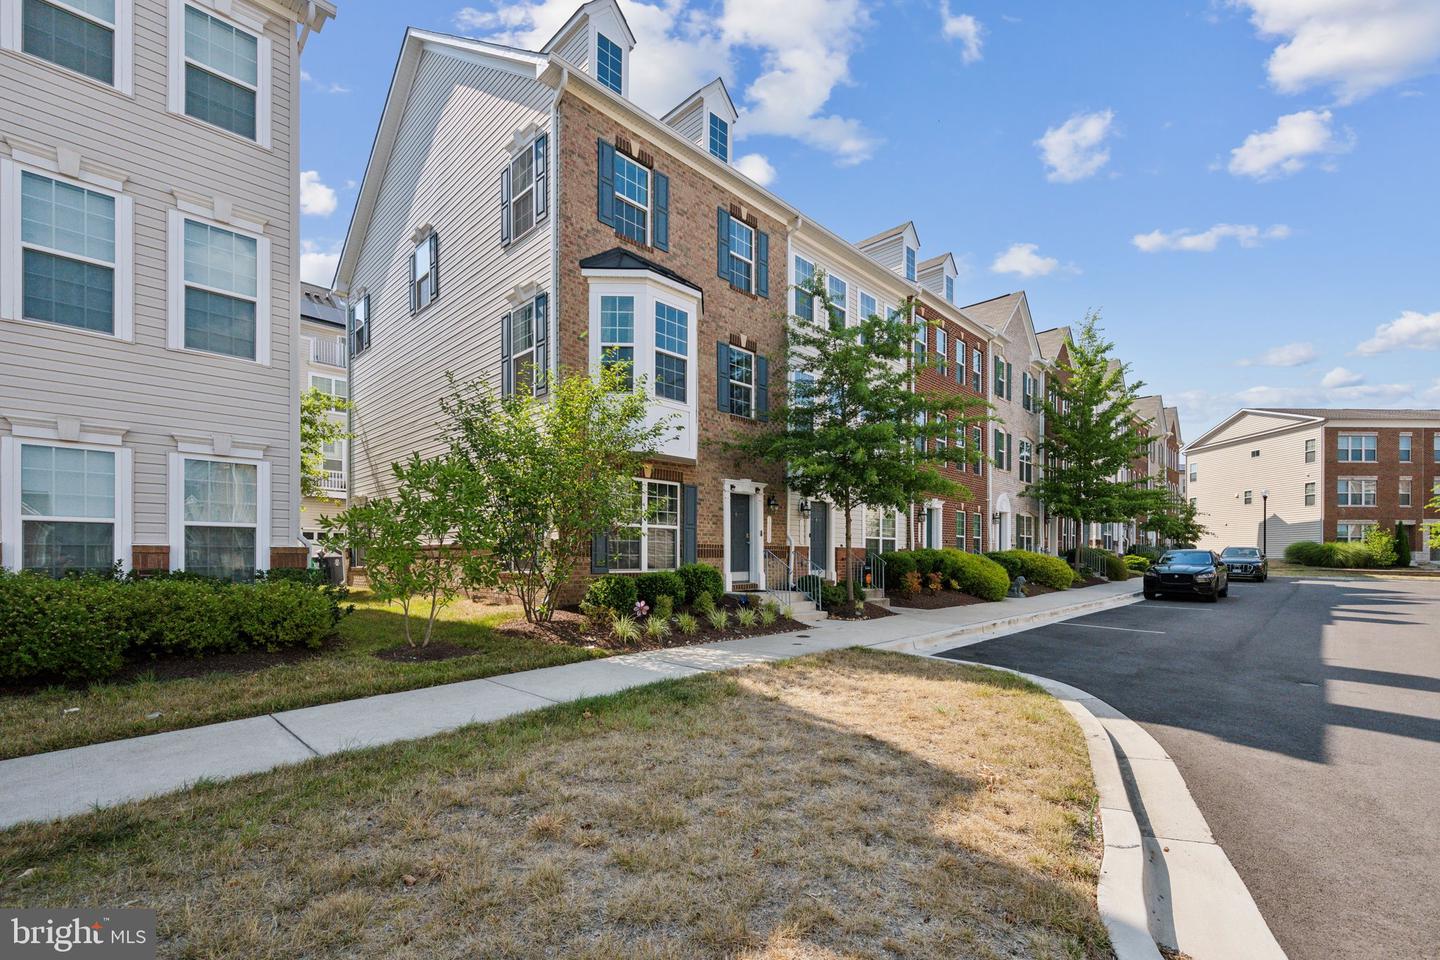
[[318, 426], [1178, 521], [1434, 507], [550, 473], [403, 538], [852, 431], [1092, 437]]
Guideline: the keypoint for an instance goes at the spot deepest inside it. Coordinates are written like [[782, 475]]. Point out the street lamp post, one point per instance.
[[1264, 523]]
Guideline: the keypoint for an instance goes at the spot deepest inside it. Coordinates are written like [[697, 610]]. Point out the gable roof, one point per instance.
[[699, 94], [618, 258], [996, 312], [937, 261], [1352, 413], [1172, 414], [1052, 340], [1287, 419], [1151, 409], [585, 10], [887, 234]]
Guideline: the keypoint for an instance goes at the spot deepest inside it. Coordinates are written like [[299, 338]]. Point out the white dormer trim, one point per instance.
[[67, 430], [218, 208], [66, 162]]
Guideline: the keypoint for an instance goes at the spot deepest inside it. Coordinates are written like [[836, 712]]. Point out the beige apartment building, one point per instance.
[[149, 287]]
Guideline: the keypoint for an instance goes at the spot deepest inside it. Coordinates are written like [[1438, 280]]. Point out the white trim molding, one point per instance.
[[756, 491], [11, 522], [175, 324], [242, 16], [12, 38], [176, 505]]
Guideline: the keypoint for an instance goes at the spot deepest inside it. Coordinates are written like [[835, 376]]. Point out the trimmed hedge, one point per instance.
[[613, 591], [978, 576], [701, 578], [898, 563], [1311, 554], [1035, 567], [650, 587], [1115, 568], [86, 628], [1136, 563]]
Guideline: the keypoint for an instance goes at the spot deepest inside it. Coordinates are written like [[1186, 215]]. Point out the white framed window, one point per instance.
[[360, 326], [66, 505], [1357, 448], [910, 263], [1194, 472], [1027, 462], [742, 255], [1407, 448], [977, 527], [1309, 451], [617, 336], [869, 307], [632, 199], [719, 138], [220, 286], [330, 386], [1351, 532], [804, 302], [69, 246], [653, 543], [1025, 531], [742, 382], [1000, 373], [219, 515], [977, 369], [90, 38], [672, 352], [1405, 491], [959, 361], [1436, 440], [523, 190], [1248, 498], [220, 68], [1355, 492], [880, 530], [942, 351], [524, 339], [609, 63], [425, 272], [1309, 494], [839, 292]]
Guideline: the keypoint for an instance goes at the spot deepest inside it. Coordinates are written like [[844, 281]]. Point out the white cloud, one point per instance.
[[1288, 355], [1286, 147], [964, 28], [1412, 330], [1379, 394], [1023, 261], [1432, 393], [318, 265], [1353, 47], [803, 48], [757, 167], [323, 87], [316, 199], [1340, 377], [1076, 149], [1247, 235]]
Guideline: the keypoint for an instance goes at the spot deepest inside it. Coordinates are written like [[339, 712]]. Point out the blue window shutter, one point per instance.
[[542, 340], [762, 263], [434, 266], [605, 163], [661, 237], [722, 242], [689, 495], [722, 375], [541, 177], [505, 378], [762, 387], [600, 553], [505, 205]]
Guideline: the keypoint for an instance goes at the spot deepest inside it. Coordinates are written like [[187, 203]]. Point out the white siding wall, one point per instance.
[[691, 126], [576, 48], [444, 171], [890, 253], [1225, 472], [50, 371]]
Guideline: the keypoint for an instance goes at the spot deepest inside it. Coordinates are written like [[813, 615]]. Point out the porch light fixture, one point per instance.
[[804, 508], [995, 518], [771, 503]]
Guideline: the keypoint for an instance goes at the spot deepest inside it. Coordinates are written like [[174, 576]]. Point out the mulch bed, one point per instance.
[[569, 627], [926, 601], [871, 611], [427, 654]]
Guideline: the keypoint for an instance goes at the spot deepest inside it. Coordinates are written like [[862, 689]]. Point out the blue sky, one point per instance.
[[1247, 189]]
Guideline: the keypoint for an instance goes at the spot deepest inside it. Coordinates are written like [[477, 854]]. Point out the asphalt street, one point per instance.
[[1305, 718]]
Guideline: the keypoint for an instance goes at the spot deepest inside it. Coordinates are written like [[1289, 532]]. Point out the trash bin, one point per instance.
[[334, 568]]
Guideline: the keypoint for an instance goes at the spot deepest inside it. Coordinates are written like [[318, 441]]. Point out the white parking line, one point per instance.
[[1096, 626]]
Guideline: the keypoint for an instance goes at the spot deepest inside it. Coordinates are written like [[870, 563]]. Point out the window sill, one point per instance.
[[534, 229]]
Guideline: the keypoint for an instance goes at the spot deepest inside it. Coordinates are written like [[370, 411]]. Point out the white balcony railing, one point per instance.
[[334, 482], [329, 351]]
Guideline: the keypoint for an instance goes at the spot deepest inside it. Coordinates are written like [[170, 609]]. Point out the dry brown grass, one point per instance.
[[849, 805]]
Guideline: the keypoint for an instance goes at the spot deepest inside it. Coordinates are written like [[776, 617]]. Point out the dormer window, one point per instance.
[[950, 289], [609, 63], [719, 138], [909, 263]]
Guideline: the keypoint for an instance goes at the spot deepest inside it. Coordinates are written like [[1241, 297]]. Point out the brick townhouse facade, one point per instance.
[[1381, 475]]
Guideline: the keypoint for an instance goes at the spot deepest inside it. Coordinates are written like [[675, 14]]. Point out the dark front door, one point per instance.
[[819, 538], [740, 536]]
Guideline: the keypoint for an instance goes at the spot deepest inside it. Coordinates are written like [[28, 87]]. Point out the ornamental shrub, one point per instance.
[[927, 561], [701, 578], [613, 591], [1136, 562], [1311, 554], [1402, 545], [1115, 568], [49, 629], [1381, 544], [1007, 559], [897, 564], [976, 575], [1035, 567], [650, 587]]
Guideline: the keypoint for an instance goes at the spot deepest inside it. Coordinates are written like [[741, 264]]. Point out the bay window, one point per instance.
[[672, 352], [617, 337]]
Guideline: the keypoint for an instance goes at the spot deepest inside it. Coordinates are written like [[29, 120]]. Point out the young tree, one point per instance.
[[1434, 507], [852, 430], [403, 538], [552, 472], [1176, 522], [318, 426], [1092, 437]]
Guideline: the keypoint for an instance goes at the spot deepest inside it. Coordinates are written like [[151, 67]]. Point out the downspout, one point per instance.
[[555, 168], [296, 498]]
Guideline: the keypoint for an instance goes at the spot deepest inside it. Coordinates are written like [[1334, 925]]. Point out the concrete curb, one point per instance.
[[1173, 885], [972, 633]]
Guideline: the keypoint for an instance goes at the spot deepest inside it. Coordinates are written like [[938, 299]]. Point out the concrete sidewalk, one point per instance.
[[67, 782]]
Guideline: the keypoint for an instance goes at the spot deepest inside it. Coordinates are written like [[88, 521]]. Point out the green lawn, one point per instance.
[[849, 805], [39, 722]]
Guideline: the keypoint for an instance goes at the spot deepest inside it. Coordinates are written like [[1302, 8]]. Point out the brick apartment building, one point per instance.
[[1287, 474]]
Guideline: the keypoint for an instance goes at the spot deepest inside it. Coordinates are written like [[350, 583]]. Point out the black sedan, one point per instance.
[[1190, 573], [1247, 562]]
